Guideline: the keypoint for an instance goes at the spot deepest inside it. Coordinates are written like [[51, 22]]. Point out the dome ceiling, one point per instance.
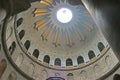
[[42, 32], [55, 40], [52, 34]]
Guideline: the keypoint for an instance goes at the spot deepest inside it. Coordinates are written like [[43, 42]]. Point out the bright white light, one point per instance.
[[64, 15]]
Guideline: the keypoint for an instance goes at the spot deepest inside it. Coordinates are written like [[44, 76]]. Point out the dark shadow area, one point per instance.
[[116, 77]]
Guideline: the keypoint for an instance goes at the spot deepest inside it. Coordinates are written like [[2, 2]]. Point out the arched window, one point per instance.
[[12, 47], [46, 59], [116, 77], [69, 62], [3, 65], [100, 46], [21, 34], [80, 60], [19, 21], [70, 76], [27, 44], [57, 62], [36, 53], [55, 78], [91, 54]]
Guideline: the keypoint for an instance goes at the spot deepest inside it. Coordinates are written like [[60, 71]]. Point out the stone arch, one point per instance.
[[31, 69], [3, 66], [44, 74], [57, 74], [83, 75], [108, 60], [97, 69], [9, 34], [70, 76], [19, 59], [12, 76]]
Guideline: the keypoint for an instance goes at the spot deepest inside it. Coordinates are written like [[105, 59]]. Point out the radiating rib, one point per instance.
[[69, 39], [46, 2], [46, 34], [65, 1], [41, 24], [79, 34], [86, 14], [40, 12], [60, 2], [57, 38], [88, 26]]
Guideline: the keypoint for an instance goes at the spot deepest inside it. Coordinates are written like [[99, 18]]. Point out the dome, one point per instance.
[[56, 40], [41, 34]]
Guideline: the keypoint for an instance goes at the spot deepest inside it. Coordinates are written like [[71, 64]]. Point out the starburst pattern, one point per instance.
[[68, 32]]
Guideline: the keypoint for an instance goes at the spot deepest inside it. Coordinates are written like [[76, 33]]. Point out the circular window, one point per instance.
[[64, 15]]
